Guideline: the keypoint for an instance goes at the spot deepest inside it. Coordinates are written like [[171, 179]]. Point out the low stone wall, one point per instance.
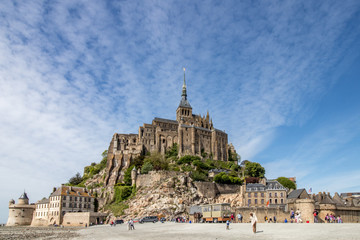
[[349, 214], [211, 190], [147, 180], [39, 222], [82, 218], [261, 212], [227, 188]]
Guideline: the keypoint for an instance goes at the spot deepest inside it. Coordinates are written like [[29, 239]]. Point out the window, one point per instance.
[[275, 201], [255, 201], [282, 201], [262, 194], [80, 205], [80, 199], [249, 201], [270, 201], [64, 204], [64, 197], [75, 198], [275, 194], [255, 194], [269, 194], [70, 198], [249, 194], [262, 201], [281, 195], [70, 204]]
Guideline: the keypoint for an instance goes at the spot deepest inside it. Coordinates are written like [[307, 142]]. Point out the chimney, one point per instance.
[[54, 189]]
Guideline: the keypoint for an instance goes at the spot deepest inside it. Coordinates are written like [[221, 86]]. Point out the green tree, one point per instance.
[[139, 161], [127, 175], [286, 182], [75, 180], [172, 152], [188, 159], [157, 161], [254, 169], [147, 167], [226, 179]]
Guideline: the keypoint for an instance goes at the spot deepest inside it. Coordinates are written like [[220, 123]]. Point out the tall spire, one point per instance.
[[184, 88], [184, 102]]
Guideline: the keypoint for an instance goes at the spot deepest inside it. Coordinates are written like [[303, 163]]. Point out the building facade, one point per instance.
[[68, 199], [266, 193]]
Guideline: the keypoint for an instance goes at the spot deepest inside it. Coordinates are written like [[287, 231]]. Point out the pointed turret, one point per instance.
[[184, 111], [184, 102]]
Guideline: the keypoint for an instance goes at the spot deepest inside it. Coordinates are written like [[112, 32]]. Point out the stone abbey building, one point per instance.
[[193, 134]]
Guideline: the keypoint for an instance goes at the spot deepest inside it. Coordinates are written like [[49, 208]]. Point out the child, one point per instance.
[[227, 225]]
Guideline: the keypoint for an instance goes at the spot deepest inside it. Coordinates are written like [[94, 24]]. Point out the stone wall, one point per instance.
[[20, 215], [147, 180], [227, 188], [349, 214], [211, 190], [261, 212], [82, 218]]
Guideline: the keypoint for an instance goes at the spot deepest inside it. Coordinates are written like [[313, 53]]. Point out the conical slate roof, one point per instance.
[[24, 196]]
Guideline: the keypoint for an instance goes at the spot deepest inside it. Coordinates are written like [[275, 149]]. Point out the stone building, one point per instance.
[[266, 193], [68, 199], [52, 210], [193, 134], [21, 213]]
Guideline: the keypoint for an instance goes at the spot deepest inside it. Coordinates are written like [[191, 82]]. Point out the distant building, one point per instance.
[[63, 201], [69, 199], [266, 193], [21, 213]]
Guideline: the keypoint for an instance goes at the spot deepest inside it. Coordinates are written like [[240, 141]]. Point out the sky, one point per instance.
[[280, 77]]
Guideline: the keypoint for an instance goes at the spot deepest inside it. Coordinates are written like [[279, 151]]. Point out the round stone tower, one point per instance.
[[22, 213]]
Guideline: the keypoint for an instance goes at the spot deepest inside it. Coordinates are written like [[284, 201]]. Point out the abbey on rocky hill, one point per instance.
[[193, 134]]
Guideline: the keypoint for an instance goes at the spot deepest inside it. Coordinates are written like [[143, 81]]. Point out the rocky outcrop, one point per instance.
[[173, 196]]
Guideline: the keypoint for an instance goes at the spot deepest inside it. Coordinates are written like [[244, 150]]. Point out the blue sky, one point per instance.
[[281, 78]]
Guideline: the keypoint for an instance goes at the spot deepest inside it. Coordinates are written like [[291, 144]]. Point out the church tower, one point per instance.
[[184, 111]]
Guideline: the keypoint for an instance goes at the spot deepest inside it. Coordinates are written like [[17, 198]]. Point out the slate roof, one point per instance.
[[165, 120], [24, 196], [43, 201], [274, 185], [184, 103], [255, 187], [327, 200], [296, 193], [75, 191]]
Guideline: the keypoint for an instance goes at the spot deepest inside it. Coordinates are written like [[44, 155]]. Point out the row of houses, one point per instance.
[[66, 205]]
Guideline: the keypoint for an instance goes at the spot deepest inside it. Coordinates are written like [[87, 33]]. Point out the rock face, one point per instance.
[[171, 194]]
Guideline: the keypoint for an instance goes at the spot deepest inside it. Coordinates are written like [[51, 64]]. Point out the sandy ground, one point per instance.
[[200, 231], [12, 233]]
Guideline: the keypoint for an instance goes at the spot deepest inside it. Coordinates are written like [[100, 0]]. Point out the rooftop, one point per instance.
[[71, 191]]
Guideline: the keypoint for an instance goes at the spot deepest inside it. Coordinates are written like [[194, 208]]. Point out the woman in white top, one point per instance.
[[253, 220]]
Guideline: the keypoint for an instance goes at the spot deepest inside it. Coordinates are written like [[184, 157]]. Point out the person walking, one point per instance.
[[316, 213], [253, 220], [132, 225], [239, 217], [227, 225]]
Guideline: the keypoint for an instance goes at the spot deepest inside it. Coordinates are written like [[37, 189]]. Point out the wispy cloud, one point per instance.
[[73, 73]]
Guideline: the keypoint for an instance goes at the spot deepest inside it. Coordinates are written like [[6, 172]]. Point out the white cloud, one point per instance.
[[73, 73]]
